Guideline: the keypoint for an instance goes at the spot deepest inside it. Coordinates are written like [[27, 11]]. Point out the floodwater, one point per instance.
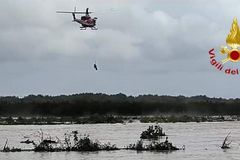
[[202, 141]]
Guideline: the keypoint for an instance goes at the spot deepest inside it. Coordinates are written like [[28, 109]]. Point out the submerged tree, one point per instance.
[[226, 142], [153, 146], [153, 132], [72, 142]]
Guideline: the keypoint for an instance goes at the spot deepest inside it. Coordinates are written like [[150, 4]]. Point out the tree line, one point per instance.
[[118, 104]]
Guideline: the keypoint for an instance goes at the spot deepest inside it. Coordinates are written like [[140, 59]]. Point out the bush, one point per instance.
[[153, 132]]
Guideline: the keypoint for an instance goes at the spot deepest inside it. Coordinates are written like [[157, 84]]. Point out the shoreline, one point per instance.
[[113, 119]]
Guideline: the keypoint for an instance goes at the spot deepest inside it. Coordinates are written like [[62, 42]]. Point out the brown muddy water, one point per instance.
[[202, 141]]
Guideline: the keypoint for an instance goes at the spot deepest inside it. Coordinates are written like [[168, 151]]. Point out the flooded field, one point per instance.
[[202, 141]]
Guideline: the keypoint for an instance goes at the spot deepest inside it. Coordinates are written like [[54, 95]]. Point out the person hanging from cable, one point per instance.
[[95, 66]]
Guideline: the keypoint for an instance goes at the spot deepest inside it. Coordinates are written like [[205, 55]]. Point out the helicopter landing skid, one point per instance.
[[83, 28], [94, 28]]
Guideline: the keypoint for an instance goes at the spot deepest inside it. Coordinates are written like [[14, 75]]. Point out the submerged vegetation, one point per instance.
[[73, 141], [6, 148], [119, 104], [94, 119], [226, 143], [152, 136], [60, 120], [153, 146], [153, 132]]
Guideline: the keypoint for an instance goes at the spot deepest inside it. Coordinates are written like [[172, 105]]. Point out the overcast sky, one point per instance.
[[141, 47]]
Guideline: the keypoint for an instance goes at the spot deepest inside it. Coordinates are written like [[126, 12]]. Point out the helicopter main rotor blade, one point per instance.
[[73, 12]]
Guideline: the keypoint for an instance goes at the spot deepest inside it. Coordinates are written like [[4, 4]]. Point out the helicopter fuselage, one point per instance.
[[86, 23]]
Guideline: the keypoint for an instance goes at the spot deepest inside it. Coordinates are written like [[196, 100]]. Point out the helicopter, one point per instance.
[[86, 21]]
